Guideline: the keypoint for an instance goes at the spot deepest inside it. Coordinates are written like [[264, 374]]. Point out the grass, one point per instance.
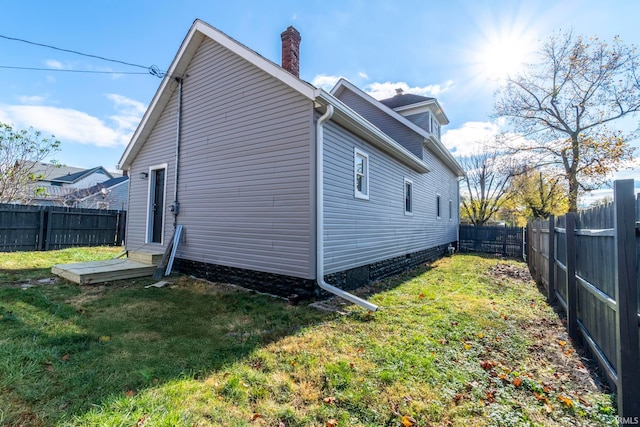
[[25, 266], [455, 344]]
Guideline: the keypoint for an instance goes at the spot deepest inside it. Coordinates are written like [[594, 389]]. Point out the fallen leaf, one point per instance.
[[421, 296], [292, 363], [549, 407], [329, 400], [255, 416], [487, 365], [105, 338], [352, 365], [130, 393], [360, 350], [142, 420], [457, 397], [565, 400], [480, 335], [568, 351], [332, 422], [540, 397], [65, 357], [517, 381], [467, 346], [503, 377], [408, 421], [562, 343]]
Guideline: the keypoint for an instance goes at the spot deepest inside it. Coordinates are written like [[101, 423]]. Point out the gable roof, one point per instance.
[[70, 178], [344, 114], [439, 149], [402, 99], [199, 30]]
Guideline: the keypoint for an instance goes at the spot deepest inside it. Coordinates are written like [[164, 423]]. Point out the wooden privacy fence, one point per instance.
[[588, 262], [43, 228], [507, 241]]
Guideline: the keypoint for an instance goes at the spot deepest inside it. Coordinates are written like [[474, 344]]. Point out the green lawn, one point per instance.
[[456, 344]]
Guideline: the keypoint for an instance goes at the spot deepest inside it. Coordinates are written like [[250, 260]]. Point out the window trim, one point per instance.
[[438, 206], [404, 192], [365, 173], [450, 210]]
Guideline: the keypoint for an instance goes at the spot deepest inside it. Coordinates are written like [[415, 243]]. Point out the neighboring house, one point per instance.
[[73, 187], [255, 163], [110, 194]]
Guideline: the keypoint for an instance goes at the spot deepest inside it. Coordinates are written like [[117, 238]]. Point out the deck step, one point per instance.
[[85, 273], [146, 256]]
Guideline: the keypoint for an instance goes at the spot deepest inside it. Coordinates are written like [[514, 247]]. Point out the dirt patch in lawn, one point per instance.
[[511, 271]]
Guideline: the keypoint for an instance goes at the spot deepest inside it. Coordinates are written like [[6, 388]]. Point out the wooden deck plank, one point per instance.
[[102, 271]]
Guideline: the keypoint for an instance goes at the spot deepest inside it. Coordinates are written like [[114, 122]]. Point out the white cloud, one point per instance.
[[34, 99], [388, 89], [325, 82], [469, 138], [363, 75], [76, 126], [52, 63]]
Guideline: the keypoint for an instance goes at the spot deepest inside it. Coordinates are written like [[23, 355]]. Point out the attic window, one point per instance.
[[361, 174]]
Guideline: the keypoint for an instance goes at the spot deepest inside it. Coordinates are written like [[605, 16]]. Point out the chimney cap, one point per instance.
[[399, 91]]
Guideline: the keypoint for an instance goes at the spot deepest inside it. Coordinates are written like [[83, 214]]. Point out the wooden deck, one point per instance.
[[85, 273]]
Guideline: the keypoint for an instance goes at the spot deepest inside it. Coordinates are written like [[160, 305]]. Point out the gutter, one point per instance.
[[320, 218]]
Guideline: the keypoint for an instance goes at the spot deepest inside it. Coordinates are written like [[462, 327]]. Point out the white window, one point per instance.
[[438, 207], [450, 210], [361, 174], [408, 197]]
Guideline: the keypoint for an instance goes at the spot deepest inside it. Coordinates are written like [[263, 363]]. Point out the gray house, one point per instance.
[[282, 186]]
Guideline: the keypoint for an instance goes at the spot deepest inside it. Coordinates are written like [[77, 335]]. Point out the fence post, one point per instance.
[[551, 296], [572, 294], [122, 220], [626, 295], [41, 231]]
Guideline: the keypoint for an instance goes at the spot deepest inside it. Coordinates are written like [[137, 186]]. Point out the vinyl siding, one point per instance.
[[358, 232], [387, 124], [421, 119], [245, 182]]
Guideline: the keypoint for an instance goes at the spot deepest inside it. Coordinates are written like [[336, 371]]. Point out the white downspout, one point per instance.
[[320, 218]]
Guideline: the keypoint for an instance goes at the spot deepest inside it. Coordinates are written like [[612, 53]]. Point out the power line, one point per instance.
[[71, 71], [153, 70]]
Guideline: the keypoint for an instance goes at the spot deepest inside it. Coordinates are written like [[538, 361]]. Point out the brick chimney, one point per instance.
[[291, 51]]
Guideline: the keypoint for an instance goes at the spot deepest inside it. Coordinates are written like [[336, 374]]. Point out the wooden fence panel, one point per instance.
[[28, 228], [506, 241], [596, 268], [19, 228]]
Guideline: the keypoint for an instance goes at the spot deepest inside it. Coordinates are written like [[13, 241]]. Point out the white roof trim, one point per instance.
[[178, 67], [426, 104], [441, 150]]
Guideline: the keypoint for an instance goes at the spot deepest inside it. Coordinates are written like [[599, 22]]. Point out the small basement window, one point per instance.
[[361, 174], [438, 207], [450, 210], [408, 197]]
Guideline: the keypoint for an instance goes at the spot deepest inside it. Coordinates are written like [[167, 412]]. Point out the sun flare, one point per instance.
[[501, 53]]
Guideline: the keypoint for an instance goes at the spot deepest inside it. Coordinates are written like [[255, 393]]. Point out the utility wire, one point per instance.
[[71, 71], [153, 70]]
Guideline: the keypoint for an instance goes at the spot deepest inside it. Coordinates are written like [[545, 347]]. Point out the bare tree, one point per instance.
[[20, 150], [566, 103], [486, 182]]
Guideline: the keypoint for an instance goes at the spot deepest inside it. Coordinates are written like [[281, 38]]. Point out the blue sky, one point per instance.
[[437, 48]]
